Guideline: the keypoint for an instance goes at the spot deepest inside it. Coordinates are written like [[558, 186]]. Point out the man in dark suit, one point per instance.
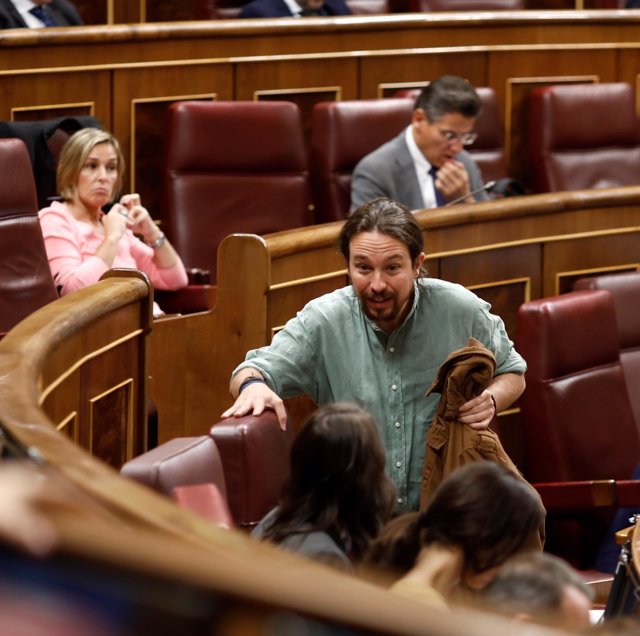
[[20, 14], [294, 8]]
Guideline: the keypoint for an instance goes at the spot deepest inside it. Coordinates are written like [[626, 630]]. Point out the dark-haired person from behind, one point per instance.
[[338, 495], [540, 588], [294, 8], [480, 516], [37, 14]]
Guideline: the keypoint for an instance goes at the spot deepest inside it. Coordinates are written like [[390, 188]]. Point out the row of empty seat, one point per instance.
[[243, 166], [579, 424]]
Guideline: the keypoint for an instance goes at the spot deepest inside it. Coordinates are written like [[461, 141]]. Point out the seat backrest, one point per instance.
[[625, 291], [488, 149], [583, 136], [25, 277], [44, 140], [233, 167], [576, 415], [255, 456], [577, 418], [183, 461], [342, 133]]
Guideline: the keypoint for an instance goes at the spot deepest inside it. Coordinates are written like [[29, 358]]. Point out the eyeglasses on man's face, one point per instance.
[[466, 139]]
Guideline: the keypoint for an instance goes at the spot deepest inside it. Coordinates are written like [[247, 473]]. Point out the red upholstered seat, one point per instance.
[[255, 456], [246, 458], [625, 291], [577, 419], [488, 149], [342, 133], [583, 136], [25, 276], [182, 461], [233, 167]]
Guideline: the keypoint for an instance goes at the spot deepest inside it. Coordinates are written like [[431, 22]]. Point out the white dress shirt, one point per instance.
[[422, 167], [23, 7]]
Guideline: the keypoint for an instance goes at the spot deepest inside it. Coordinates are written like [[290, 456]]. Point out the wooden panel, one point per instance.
[[514, 73], [91, 390], [56, 94], [324, 75], [378, 72], [285, 301], [504, 277], [140, 122], [39, 113], [111, 425], [564, 262]]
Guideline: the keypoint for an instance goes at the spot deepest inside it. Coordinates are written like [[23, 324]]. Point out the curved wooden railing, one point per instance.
[[65, 513]]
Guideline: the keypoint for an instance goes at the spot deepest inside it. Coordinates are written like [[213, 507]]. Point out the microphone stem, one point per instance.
[[485, 188]]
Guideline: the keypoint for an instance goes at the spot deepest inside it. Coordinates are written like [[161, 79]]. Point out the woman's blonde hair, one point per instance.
[[75, 153]]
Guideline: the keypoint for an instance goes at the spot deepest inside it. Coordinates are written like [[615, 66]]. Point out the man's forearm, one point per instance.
[[506, 389], [240, 377]]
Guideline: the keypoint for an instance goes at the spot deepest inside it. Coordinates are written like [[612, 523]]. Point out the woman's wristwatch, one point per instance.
[[159, 242]]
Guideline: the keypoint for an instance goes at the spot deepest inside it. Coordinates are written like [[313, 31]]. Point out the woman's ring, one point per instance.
[[123, 213]]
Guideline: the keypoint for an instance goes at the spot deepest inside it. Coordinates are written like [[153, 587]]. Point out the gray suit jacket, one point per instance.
[[388, 172], [62, 11]]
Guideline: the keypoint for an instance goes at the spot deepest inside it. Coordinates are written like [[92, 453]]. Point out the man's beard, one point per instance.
[[385, 314]]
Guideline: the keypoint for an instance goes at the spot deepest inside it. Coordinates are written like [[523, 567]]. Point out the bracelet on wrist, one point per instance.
[[248, 381], [159, 242]]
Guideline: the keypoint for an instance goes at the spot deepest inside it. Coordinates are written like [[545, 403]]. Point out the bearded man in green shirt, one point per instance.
[[380, 342]]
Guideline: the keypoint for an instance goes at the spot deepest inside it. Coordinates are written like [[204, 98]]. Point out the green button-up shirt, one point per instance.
[[333, 352]]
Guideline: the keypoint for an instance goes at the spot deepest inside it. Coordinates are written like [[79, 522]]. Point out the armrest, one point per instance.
[[584, 495], [255, 458], [198, 276], [188, 300]]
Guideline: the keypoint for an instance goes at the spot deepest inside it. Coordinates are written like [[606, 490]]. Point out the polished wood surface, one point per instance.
[[80, 364], [507, 251], [127, 75], [63, 508]]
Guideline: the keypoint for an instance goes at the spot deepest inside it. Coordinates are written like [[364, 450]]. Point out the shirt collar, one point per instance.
[[419, 159], [293, 7], [24, 5]]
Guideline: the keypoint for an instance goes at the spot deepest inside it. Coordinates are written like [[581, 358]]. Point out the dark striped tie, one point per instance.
[[42, 13], [440, 198]]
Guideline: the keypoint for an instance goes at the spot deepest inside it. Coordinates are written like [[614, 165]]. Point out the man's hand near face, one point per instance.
[[453, 181]]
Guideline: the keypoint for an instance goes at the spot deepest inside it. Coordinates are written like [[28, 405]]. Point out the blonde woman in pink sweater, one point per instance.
[[82, 241]]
